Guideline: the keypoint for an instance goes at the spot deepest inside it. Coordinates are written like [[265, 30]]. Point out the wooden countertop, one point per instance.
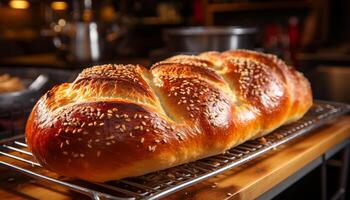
[[246, 182]]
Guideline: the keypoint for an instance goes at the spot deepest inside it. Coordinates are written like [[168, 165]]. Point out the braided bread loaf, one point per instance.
[[117, 121]]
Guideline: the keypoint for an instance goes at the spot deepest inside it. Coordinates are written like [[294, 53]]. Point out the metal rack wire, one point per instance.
[[162, 183]]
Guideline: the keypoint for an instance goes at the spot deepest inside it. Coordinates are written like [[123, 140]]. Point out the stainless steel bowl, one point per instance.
[[331, 83], [199, 39]]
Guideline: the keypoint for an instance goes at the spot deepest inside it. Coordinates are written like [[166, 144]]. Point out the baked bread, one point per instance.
[[117, 121], [10, 84]]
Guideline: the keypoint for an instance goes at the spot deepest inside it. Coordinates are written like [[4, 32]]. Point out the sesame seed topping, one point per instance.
[[152, 148]]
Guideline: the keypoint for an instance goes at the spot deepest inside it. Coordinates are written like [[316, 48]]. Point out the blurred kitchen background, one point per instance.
[[58, 38]]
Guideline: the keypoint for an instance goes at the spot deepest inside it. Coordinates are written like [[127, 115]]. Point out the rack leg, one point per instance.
[[324, 178], [343, 179]]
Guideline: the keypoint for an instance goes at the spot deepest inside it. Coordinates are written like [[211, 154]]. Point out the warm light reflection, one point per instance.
[[61, 22], [59, 5], [19, 4]]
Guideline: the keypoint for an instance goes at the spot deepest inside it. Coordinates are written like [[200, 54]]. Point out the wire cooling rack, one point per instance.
[[162, 183]]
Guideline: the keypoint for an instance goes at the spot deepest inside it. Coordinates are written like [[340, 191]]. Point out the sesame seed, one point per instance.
[[98, 153], [152, 148], [65, 152], [142, 140], [110, 137]]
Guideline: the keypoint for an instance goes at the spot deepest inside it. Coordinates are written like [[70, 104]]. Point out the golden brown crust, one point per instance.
[[117, 121]]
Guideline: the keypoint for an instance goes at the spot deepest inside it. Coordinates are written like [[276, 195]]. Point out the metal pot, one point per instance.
[[80, 42], [199, 39], [331, 83]]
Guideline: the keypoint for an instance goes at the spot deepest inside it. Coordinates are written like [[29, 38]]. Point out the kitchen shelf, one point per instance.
[[241, 6], [212, 8]]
